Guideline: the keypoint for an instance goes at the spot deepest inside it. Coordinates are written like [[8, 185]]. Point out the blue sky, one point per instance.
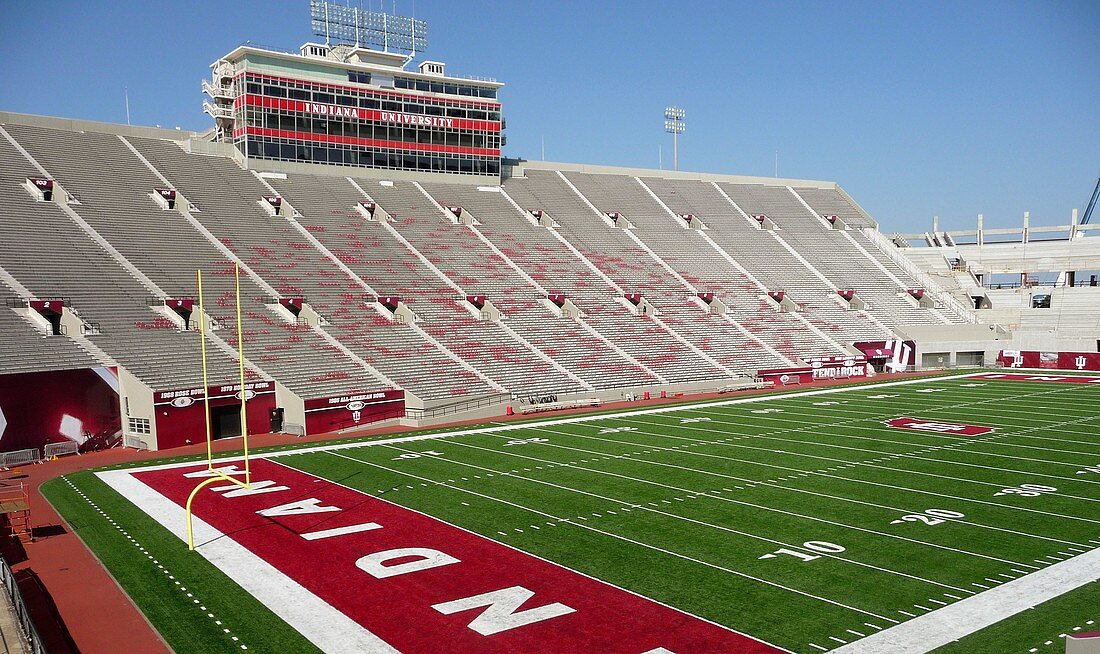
[[916, 108]]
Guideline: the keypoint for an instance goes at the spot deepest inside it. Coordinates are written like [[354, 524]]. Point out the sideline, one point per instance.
[[519, 426], [926, 632]]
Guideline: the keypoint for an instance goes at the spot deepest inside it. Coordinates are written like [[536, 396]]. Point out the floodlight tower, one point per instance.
[[674, 124]]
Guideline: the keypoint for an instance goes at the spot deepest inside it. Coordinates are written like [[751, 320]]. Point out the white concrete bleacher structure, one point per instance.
[[117, 253]]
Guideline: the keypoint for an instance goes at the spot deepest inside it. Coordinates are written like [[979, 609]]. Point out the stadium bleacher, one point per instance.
[[616, 246]]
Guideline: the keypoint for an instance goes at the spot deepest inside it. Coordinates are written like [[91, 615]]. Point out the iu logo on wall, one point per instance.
[[939, 427]]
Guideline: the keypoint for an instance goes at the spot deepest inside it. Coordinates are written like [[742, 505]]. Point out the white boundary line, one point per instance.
[[945, 625], [320, 623], [763, 397]]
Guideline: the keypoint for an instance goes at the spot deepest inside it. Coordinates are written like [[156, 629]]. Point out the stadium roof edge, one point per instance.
[[517, 166], [520, 165], [79, 125]]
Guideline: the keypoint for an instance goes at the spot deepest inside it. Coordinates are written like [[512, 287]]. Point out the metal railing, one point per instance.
[[886, 247], [51, 450], [19, 457], [460, 407], [134, 441], [20, 609]]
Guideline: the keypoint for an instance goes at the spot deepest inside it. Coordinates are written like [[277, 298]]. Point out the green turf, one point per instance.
[[148, 561], [680, 506]]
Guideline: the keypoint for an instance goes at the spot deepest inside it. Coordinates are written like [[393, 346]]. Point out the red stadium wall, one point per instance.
[[51, 407], [1050, 360], [180, 413], [336, 413]]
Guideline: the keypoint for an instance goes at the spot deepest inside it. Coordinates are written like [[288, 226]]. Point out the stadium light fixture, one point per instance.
[[675, 125], [347, 24]]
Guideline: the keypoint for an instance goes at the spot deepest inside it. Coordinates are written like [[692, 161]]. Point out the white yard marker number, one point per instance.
[[813, 545], [1095, 468], [615, 430], [416, 455], [1026, 490], [929, 517], [684, 421], [525, 441]]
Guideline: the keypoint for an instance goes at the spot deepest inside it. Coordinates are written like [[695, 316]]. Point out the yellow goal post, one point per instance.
[[218, 475]]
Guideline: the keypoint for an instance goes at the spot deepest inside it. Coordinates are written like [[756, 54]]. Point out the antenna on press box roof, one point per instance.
[[363, 27]]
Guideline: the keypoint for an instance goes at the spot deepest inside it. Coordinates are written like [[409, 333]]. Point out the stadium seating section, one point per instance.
[[113, 255]]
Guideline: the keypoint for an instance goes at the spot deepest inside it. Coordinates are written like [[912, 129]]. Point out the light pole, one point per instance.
[[674, 124]]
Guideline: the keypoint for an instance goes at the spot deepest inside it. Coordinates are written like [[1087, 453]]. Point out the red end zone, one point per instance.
[[423, 585], [1063, 379]]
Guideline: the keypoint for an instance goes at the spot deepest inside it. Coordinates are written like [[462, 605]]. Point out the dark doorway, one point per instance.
[[225, 421]]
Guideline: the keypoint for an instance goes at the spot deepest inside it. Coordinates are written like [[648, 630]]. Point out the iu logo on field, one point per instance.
[[938, 427]]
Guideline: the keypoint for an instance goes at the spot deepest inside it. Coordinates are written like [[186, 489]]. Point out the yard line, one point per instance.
[[771, 484], [916, 454], [701, 523], [880, 427], [733, 501], [849, 479], [816, 411], [956, 441], [847, 461], [619, 537]]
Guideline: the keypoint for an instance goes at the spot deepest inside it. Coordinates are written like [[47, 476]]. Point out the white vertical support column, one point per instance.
[[1024, 236], [1073, 226], [981, 230], [935, 224]]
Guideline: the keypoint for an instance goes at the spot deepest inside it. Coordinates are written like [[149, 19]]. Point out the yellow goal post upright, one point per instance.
[[216, 474]]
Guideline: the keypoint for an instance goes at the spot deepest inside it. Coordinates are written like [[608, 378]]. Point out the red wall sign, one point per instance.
[[180, 415], [48, 306], [1051, 360], [477, 300], [339, 111], [819, 368], [185, 304], [335, 413], [900, 354]]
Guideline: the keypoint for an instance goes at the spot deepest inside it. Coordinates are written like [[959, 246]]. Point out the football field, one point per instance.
[[902, 516]]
